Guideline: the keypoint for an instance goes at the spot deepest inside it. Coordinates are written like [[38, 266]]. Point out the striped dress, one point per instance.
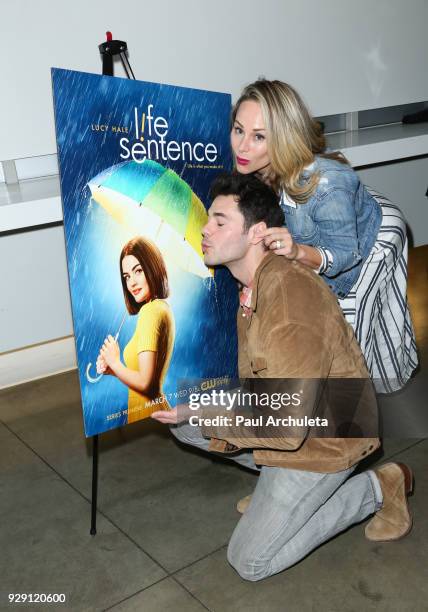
[[377, 307]]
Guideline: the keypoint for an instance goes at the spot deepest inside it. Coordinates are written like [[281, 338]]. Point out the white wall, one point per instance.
[[343, 55], [35, 298]]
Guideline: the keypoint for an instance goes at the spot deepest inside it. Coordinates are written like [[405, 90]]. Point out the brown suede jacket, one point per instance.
[[296, 330]]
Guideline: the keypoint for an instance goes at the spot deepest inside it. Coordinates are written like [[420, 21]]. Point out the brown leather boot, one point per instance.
[[243, 504], [393, 520]]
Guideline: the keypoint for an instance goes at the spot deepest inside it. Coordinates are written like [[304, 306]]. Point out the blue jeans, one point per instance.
[[291, 511]]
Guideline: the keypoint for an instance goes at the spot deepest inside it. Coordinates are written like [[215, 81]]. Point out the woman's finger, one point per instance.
[[280, 238], [276, 230], [277, 245], [280, 246]]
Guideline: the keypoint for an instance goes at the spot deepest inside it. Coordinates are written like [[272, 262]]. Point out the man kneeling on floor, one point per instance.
[[290, 327]]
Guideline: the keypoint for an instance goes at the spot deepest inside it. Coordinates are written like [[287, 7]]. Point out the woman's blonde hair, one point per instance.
[[293, 136]]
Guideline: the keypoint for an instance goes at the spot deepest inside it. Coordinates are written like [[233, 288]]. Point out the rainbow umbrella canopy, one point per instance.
[[155, 202]]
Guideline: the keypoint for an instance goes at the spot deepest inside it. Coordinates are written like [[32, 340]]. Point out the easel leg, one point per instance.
[[94, 485], [108, 49]]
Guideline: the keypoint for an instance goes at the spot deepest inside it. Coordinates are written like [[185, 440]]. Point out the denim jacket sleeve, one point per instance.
[[336, 222]]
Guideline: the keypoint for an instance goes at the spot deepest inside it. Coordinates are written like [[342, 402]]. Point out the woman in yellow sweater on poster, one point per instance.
[[148, 353]]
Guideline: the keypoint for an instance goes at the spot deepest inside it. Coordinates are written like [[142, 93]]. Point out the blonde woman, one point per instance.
[[354, 238]]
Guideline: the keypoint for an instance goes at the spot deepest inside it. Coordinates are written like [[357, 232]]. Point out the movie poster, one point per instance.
[[136, 162]]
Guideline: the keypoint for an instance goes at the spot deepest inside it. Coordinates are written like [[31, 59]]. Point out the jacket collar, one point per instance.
[[265, 262]]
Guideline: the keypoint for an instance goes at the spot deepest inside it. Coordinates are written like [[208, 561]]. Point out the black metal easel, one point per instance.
[[111, 48], [108, 50]]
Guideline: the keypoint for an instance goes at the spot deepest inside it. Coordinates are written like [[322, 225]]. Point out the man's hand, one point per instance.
[[166, 416], [171, 417]]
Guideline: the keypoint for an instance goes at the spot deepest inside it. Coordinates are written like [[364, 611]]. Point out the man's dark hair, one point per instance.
[[256, 201]]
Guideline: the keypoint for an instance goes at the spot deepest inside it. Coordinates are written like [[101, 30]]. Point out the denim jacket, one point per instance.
[[341, 216]]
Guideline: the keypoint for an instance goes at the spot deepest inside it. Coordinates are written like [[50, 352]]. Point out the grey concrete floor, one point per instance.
[[165, 516], [166, 513]]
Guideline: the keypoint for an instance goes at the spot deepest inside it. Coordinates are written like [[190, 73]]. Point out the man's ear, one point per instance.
[[256, 232]]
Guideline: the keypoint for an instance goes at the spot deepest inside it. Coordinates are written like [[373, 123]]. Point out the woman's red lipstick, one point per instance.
[[242, 162]]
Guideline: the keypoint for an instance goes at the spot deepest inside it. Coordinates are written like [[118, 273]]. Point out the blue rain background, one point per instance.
[[204, 309]]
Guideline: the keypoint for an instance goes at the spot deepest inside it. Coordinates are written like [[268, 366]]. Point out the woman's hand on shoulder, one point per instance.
[[280, 241]]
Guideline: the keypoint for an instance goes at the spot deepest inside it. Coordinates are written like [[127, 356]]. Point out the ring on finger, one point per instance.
[[278, 244]]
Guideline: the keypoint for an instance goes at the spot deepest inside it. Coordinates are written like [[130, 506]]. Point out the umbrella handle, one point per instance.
[[90, 378], [95, 379]]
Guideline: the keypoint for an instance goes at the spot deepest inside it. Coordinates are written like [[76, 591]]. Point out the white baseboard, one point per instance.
[[37, 361]]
